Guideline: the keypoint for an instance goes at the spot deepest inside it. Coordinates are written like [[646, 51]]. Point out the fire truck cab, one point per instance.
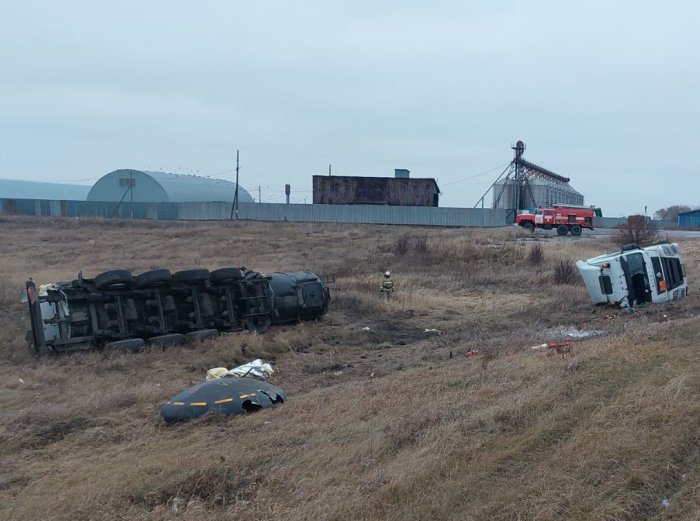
[[564, 218]]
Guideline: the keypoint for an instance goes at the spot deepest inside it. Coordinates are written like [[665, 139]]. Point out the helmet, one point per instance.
[[387, 274]]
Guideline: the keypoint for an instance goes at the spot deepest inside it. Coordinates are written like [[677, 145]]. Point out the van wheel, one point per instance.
[[562, 229]]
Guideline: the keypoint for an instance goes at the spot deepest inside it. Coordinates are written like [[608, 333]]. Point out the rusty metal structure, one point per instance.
[[400, 190]]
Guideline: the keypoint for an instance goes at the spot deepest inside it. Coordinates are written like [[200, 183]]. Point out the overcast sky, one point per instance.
[[607, 93]]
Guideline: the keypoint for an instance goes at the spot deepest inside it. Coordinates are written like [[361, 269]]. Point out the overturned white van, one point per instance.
[[635, 275]]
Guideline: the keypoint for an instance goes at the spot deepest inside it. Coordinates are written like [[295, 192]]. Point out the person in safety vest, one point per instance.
[[387, 286]]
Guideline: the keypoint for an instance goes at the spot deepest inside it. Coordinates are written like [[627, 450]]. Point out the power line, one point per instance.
[[475, 176]]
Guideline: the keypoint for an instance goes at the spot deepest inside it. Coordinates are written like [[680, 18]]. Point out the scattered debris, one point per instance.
[[432, 331], [472, 352], [665, 503], [228, 396], [559, 347], [256, 368], [366, 328], [571, 332]]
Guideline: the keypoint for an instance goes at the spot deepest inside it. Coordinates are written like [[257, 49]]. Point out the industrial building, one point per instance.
[[688, 219], [528, 185], [142, 186], [537, 192], [400, 190], [16, 189]]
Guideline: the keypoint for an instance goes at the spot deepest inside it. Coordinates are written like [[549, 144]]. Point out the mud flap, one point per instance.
[[38, 342]]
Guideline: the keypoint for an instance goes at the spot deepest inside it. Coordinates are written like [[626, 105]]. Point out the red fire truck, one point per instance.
[[564, 218]]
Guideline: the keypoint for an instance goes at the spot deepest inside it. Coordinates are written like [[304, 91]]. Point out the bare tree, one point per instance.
[[671, 213], [637, 230]]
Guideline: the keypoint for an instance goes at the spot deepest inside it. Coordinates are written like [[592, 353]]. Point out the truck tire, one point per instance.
[[562, 229], [576, 229], [224, 275], [195, 275], [164, 341], [152, 278], [529, 226], [196, 337], [114, 278], [131, 345], [258, 324]]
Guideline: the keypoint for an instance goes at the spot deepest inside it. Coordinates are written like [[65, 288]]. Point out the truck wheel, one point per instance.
[[562, 229], [576, 229], [164, 341], [201, 336], [151, 278], [258, 324], [224, 275], [132, 345], [196, 275], [114, 278], [529, 226]]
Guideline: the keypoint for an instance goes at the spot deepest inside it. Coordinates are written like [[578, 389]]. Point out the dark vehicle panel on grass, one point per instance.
[[227, 396]]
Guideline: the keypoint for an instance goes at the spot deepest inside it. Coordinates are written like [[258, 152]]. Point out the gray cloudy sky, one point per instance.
[[604, 92]]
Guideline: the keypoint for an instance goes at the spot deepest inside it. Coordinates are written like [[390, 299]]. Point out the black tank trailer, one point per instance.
[[119, 311]]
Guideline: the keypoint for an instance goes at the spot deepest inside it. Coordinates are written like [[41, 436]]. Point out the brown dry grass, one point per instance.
[[389, 423]]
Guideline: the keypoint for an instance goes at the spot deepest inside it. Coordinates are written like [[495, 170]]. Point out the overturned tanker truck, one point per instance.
[[119, 311]]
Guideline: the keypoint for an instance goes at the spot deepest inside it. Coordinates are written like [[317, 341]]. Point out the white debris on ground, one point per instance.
[[571, 332], [256, 368]]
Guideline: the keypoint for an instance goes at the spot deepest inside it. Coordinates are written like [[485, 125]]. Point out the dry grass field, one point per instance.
[[388, 423]]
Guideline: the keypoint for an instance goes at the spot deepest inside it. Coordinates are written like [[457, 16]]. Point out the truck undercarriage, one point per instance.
[[118, 311]]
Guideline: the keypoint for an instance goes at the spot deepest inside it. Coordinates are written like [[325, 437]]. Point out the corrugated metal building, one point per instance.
[[543, 191], [400, 190], [15, 189], [143, 186], [691, 218]]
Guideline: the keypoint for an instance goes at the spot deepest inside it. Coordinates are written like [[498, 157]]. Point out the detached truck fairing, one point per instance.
[[635, 276]]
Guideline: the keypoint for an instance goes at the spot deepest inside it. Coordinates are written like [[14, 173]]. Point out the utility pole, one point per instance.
[[234, 206], [329, 170], [131, 194], [259, 194]]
